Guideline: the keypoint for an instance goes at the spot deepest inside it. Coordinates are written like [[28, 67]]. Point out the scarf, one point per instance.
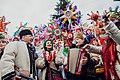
[[48, 61]]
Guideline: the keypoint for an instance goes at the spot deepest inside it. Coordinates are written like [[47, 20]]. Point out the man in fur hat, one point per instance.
[[16, 57], [79, 41]]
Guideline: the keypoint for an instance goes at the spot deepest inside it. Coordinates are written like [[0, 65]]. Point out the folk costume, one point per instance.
[[15, 54], [16, 57], [78, 70], [110, 52], [113, 32], [49, 62], [31, 49], [33, 57], [1, 53], [99, 68]]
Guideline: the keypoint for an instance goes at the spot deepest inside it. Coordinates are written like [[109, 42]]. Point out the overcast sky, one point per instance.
[[37, 12]]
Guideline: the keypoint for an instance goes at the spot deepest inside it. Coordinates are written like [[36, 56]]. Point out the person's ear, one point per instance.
[[23, 37]]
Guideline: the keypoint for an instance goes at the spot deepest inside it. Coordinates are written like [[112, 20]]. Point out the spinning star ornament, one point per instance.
[[113, 14], [95, 17], [19, 29], [70, 15], [55, 29]]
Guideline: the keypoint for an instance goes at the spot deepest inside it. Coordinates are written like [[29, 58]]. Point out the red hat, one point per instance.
[[15, 39], [78, 29], [70, 32]]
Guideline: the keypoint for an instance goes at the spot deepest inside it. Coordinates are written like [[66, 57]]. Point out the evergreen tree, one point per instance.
[[61, 5]]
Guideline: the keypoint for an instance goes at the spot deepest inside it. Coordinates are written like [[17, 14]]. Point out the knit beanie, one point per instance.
[[79, 36]]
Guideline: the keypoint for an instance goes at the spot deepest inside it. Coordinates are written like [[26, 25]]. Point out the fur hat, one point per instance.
[[25, 32], [80, 36], [78, 29]]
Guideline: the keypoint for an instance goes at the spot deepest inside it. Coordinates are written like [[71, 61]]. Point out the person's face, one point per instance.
[[27, 38], [78, 31], [3, 43], [102, 31], [67, 46], [38, 44], [70, 36], [68, 13], [48, 44], [79, 41], [89, 32], [95, 42], [53, 41], [84, 60]]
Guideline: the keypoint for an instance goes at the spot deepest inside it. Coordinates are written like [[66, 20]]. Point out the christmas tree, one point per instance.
[[60, 5]]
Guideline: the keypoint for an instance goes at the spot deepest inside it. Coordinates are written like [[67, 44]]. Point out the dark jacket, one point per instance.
[[1, 53], [33, 57]]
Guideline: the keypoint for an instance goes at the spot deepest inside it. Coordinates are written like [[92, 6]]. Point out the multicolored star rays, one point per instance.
[[70, 16]]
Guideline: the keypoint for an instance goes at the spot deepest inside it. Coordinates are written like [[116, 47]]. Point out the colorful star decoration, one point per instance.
[[3, 24], [95, 17], [70, 15], [113, 14], [54, 28]]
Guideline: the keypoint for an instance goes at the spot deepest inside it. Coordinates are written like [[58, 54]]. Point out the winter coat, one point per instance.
[[114, 33], [41, 63], [15, 54]]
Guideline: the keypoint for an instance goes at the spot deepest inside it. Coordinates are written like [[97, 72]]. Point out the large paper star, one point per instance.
[[3, 24], [70, 15], [95, 17], [113, 14]]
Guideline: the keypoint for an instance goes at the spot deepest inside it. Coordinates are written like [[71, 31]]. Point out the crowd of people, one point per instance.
[[81, 54]]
